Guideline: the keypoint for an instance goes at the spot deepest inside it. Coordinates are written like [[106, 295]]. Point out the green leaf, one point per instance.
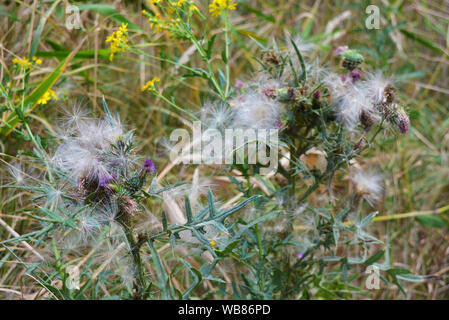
[[196, 279], [82, 54], [374, 258], [160, 271], [301, 61], [110, 12], [411, 277], [164, 221], [424, 42], [365, 221], [253, 223], [188, 210], [231, 246], [210, 200], [432, 221], [39, 29], [258, 13]]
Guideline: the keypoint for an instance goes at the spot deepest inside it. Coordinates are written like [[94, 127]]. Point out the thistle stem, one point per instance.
[[139, 279]]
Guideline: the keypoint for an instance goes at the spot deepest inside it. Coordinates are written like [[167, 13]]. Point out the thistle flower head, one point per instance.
[[403, 121], [351, 59], [355, 75], [340, 49], [238, 84], [149, 166], [90, 152], [105, 179]]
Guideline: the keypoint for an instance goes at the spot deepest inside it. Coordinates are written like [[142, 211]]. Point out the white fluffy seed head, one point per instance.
[[216, 115], [374, 87], [84, 151], [349, 100], [257, 111], [368, 184]]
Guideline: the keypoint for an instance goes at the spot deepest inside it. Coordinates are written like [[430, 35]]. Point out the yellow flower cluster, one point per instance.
[[38, 61], [24, 62], [218, 6], [50, 94], [150, 84], [118, 40], [173, 26]]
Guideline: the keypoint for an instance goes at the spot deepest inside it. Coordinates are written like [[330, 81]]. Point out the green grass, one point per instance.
[[412, 44]]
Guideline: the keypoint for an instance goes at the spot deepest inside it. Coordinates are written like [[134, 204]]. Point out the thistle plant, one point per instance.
[[114, 218]]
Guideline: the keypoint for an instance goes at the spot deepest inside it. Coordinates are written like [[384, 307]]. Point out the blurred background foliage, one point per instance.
[[412, 44]]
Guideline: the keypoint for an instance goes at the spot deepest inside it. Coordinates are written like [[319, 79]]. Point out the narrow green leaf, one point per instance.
[[188, 210], [110, 12]]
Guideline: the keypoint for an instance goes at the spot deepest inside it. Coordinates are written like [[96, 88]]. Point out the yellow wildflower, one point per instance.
[[24, 62], [50, 94], [118, 40], [193, 8], [179, 3], [213, 243], [38, 61], [150, 84], [156, 23], [156, 1], [218, 6]]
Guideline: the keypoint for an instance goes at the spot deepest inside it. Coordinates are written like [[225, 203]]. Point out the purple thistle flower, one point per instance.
[[238, 84], [317, 95], [355, 75], [340, 50], [403, 122], [269, 92], [105, 180], [300, 255], [149, 166]]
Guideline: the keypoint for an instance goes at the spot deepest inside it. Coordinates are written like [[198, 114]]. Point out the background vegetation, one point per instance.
[[412, 44]]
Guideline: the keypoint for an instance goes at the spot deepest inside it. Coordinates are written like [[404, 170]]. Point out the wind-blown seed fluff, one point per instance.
[[368, 184], [374, 87], [257, 111], [86, 151], [349, 101]]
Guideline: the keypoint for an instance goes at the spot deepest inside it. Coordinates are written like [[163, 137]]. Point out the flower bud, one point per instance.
[[389, 93], [339, 50], [105, 179], [149, 166], [355, 75], [403, 122], [287, 94], [367, 120], [351, 59], [270, 92], [238, 84]]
